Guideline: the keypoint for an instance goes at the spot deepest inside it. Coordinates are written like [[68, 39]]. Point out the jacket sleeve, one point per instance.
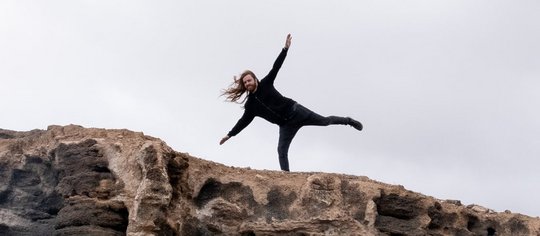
[[277, 65], [244, 121]]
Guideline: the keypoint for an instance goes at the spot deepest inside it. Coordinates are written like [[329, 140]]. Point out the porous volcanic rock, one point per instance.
[[70, 180]]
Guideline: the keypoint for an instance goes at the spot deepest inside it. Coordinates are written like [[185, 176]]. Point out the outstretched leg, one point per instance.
[[286, 135], [316, 119]]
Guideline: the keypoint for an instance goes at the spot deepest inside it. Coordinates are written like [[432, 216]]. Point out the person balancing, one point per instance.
[[265, 101]]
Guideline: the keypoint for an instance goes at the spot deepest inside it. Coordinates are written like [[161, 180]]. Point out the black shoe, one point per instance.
[[355, 124]]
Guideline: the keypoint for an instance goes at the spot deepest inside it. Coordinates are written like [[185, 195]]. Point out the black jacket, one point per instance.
[[266, 102]]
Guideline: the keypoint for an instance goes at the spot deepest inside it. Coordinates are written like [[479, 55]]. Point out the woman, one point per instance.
[[265, 101]]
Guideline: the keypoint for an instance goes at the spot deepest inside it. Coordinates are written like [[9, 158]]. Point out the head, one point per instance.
[[247, 82]]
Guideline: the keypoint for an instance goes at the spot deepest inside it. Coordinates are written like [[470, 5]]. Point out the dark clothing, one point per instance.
[[268, 103], [301, 117]]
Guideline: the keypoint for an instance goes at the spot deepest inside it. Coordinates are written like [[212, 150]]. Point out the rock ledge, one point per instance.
[[70, 180]]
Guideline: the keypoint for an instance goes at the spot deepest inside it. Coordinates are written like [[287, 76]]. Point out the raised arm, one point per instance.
[[280, 59]]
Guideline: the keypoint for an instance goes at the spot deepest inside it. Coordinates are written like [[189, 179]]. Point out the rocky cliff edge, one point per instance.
[[70, 180]]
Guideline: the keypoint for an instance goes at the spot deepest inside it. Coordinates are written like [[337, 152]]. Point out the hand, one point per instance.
[[288, 41], [224, 139]]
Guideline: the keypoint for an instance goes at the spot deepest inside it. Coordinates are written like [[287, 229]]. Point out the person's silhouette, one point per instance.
[[265, 101]]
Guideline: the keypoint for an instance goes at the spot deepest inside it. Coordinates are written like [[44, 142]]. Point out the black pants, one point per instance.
[[301, 116]]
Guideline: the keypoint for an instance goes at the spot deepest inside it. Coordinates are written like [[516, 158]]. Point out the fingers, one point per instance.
[[288, 41], [223, 140]]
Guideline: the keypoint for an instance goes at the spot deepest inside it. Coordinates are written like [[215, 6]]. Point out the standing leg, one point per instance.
[[286, 135]]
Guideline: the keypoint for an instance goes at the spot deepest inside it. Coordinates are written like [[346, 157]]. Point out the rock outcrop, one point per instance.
[[72, 180]]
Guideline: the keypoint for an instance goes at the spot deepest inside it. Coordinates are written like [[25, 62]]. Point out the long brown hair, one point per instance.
[[237, 88]]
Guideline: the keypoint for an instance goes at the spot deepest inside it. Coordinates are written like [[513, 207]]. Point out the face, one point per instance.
[[250, 83]]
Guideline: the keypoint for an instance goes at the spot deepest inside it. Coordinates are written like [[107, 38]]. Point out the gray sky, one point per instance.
[[448, 91]]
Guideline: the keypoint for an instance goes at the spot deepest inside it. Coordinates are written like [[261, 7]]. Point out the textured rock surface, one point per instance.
[[76, 181]]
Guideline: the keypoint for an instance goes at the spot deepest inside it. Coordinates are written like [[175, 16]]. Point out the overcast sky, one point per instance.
[[448, 91]]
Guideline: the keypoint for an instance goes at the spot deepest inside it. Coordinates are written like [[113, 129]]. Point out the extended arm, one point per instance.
[[280, 59], [244, 121]]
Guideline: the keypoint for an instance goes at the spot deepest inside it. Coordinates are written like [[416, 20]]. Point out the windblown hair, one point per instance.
[[237, 89]]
